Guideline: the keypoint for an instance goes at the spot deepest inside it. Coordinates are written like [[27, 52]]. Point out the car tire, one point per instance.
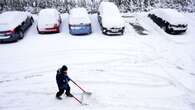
[[122, 32], [165, 28], [104, 32], [39, 32], [171, 31], [20, 34], [15, 38], [31, 21], [58, 29]]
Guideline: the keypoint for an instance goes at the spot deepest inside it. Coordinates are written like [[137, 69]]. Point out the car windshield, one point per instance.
[[6, 18], [78, 13], [47, 15], [111, 11], [79, 20], [79, 16]]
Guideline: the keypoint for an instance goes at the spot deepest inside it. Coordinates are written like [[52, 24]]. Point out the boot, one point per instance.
[[59, 98], [69, 95]]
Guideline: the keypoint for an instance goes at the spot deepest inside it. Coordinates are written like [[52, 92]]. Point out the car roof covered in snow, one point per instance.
[[11, 19], [48, 12], [170, 15], [48, 16], [79, 15], [110, 15], [109, 9]]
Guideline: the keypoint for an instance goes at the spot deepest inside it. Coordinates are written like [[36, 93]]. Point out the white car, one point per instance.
[[79, 21], [170, 20], [110, 19], [13, 24], [49, 21]]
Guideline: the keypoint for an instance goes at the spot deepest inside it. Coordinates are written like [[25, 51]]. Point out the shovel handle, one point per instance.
[[77, 99], [78, 85]]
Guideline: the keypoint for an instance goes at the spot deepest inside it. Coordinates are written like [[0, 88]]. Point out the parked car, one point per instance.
[[13, 24], [49, 21], [79, 21], [170, 20], [110, 19]]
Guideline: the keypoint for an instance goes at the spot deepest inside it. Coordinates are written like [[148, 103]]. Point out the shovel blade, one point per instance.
[[88, 93], [84, 104]]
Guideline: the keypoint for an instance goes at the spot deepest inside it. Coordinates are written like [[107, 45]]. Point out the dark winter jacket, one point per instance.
[[62, 80]]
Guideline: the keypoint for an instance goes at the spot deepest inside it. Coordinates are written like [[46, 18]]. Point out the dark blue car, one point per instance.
[[79, 22], [13, 25]]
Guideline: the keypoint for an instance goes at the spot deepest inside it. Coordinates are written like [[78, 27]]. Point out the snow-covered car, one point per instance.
[[13, 24], [49, 21], [110, 19], [79, 21], [170, 20]]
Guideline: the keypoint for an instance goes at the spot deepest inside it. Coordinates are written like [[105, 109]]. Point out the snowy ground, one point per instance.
[[130, 72]]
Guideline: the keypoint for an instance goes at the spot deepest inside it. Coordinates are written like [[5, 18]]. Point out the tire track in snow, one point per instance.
[[190, 98], [45, 56], [124, 54]]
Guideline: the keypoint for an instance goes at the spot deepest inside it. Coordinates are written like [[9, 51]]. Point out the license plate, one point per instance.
[[1, 34], [114, 30], [76, 27]]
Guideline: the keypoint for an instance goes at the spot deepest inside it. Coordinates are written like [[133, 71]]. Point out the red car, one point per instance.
[[49, 21]]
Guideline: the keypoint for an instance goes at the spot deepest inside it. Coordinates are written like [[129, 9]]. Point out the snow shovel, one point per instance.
[[80, 101], [85, 92]]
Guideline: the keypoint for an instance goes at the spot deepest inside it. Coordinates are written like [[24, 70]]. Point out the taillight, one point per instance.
[[9, 32], [55, 25]]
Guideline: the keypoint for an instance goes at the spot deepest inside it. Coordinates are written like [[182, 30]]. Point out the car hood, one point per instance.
[[6, 27], [78, 21], [10, 22], [116, 22], [47, 23]]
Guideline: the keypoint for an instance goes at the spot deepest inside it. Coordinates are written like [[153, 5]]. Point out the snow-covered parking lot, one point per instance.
[[153, 71]]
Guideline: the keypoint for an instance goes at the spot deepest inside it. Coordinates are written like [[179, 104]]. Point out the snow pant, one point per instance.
[[61, 91]]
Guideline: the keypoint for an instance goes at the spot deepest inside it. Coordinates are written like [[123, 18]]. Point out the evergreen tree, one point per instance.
[[92, 5]]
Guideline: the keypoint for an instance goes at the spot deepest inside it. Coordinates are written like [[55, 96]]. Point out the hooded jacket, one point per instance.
[[62, 79]]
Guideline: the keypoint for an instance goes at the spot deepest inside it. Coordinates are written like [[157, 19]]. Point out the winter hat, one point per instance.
[[64, 68]]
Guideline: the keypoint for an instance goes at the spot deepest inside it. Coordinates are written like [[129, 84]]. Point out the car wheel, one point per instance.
[[31, 21], [58, 29], [21, 34], [15, 38], [164, 28], [122, 32], [38, 30], [171, 31], [104, 31]]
